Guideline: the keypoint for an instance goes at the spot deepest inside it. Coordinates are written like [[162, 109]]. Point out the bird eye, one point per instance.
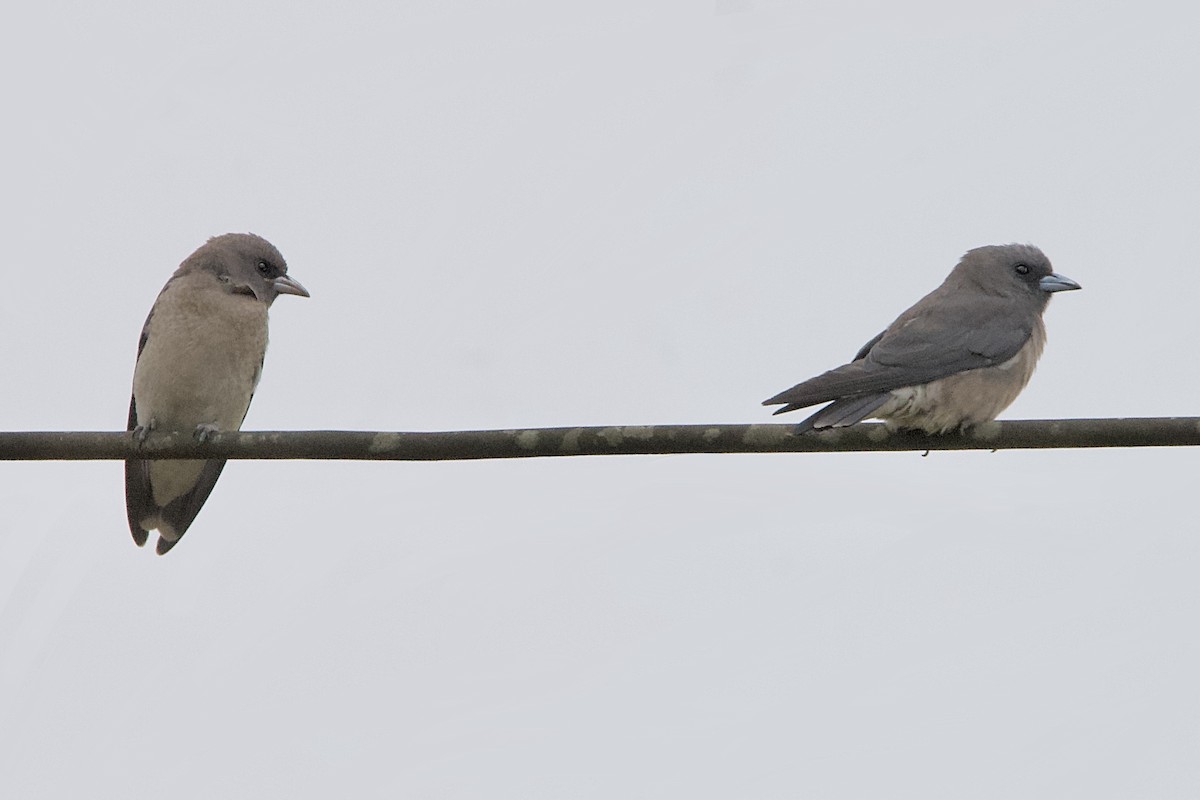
[[264, 268], [1022, 269]]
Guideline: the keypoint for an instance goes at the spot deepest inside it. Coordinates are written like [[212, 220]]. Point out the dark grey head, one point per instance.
[[1011, 270], [246, 264]]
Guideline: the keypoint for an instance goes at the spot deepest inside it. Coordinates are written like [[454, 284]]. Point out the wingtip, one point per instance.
[[802, 426], [139, 536], [775, 400], [164, 546]]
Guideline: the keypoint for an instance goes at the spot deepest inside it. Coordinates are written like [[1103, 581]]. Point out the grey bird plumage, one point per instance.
[[956, 359], [199, 359]]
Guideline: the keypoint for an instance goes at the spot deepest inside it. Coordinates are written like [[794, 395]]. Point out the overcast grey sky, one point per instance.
[[540, 213]]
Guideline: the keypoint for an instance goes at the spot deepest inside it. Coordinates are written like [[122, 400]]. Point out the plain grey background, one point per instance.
[[540, 213]]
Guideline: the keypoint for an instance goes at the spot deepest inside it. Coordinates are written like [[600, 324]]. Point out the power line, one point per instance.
[[593, 441]]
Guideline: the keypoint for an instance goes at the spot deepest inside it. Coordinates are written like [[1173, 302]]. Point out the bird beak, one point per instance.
[[1051, 283], [285, 285]]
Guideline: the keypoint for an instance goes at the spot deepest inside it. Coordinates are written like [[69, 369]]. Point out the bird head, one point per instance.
[[246, 264], [1012, 270]]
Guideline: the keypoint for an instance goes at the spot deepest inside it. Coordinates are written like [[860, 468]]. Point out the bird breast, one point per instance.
[[204, 349], [966, 398]]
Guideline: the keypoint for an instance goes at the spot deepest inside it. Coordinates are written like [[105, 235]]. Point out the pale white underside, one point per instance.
[[966, 399], [200, 365]]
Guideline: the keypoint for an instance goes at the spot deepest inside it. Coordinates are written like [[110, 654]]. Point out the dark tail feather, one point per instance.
[[807, 425], [841, 413], [849, 410], [180, 512]]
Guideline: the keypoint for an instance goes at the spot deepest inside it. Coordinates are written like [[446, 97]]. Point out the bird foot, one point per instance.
[[140, 432], [205, 431]]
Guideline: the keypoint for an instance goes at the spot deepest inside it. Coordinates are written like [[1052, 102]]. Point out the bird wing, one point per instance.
[[866, 348], [139, 500], [929, 341]]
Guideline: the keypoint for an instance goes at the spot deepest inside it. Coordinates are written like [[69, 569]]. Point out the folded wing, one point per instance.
[[927, 342]]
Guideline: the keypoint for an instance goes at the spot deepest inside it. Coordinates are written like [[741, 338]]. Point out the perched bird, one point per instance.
[[199, 359], [956, 359]]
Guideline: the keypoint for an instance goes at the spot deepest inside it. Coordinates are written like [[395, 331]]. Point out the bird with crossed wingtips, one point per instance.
[[954, 360], [199, 360]]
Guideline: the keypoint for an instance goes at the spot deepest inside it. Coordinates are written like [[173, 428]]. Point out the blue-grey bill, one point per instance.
[[1052, 283], [287, 285]]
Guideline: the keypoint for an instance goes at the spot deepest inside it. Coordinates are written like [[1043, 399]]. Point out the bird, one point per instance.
[[955, 360], [199, 359]]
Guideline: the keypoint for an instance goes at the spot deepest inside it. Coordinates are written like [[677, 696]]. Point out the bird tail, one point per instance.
[[843, 413]]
